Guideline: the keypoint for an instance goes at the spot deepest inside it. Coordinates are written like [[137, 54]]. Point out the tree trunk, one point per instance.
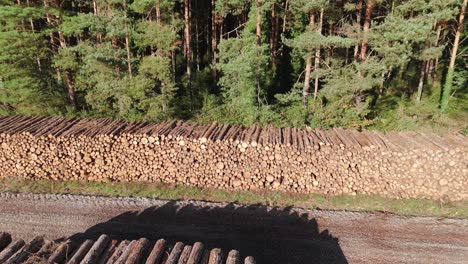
[[317, 56], [53, 45], [31, 22], [213, 40], [285, 16], [435, 62], [259, 43], [115, 46], [274, 35], [367, 22], [197, 45], [259, 23], [358, 20], [187, 36], [447, 90], [381, 85], [173, 61], [68, 75], [422, 74], [127, 43], [158, 12], [95, 9], [283, 29], [306, 88]]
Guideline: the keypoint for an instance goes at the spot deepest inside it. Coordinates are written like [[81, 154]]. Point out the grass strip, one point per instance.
[[366, 203]]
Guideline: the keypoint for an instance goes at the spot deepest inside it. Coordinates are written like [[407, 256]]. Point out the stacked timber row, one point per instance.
[[107, 251], [335, 162]]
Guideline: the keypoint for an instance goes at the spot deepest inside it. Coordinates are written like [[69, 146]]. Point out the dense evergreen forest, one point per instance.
[[396, 64]]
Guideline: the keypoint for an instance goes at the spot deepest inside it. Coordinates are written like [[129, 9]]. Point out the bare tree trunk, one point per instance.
[[306, 88], [283, 29], [435, 62], [259, 43], [115, 45], [259, 23], [381, 85], [68, 75], [347, 56], [285, 16], [188, 55], [213, 40], [173, 61], [95, 8], [197, 45], [367, 22], [127, 43], [358, 20], [317, 56], [274, 35], [422, 74], [53, 45], [451, 69], [31, 22], [158, 12]]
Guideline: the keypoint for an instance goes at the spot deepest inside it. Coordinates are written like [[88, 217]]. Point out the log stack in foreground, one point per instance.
[[335, 162], [107, 251]]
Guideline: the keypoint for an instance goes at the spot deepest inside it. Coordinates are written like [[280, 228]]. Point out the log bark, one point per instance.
[[249, 260], [126, 253], [157, 252], [118, 252], [11, 250], [233, 257], [196, 253], [81, 252], [62, 252], [108, 252], [96, 250], [185, 255], [215, 256], [175, 253], [138, 251], [30, 248], [5, 240]]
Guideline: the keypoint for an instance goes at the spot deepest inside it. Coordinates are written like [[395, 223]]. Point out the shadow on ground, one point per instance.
[[270, 235]]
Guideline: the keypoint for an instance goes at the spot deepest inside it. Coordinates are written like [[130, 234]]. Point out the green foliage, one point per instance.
[[155, 36], [126, 60]]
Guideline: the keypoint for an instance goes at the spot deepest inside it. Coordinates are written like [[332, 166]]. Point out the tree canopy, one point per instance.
[[396, 64]]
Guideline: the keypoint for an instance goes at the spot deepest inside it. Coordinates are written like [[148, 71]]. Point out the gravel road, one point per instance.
[[272, 235]]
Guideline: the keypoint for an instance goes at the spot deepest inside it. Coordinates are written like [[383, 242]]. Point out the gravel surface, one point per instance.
[[272, 235]]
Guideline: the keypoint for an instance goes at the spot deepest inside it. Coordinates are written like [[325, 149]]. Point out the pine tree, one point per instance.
[[23, 88], [447, 90]]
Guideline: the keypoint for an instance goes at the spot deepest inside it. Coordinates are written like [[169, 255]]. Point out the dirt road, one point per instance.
[[272, 235]]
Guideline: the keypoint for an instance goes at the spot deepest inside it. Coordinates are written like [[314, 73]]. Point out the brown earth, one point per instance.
[[271, 235]]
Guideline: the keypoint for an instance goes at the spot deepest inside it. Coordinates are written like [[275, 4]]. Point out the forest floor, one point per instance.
[[271, 235]]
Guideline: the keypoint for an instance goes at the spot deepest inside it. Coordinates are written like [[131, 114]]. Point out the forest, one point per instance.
[[387, 65]]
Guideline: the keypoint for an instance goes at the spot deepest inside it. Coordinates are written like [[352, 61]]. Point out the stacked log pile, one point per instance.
[[335, 162], [108, 251]]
